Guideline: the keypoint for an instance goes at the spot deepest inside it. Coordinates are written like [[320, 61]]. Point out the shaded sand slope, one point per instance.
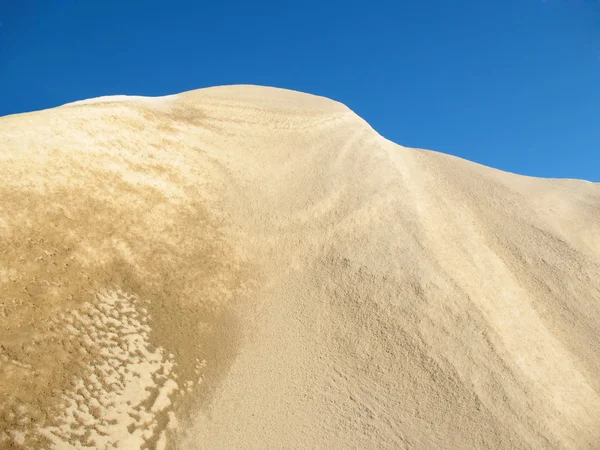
[[247, 267]]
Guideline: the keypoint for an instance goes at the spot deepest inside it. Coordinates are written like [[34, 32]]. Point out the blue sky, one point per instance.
[[514, 84]]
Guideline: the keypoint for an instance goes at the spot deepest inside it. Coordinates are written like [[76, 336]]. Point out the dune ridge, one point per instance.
[[252, 267]]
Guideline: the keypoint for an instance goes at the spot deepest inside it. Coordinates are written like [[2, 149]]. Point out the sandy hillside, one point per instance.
[[254, 268]]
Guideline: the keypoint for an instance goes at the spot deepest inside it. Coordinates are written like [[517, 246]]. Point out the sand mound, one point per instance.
[[244, 267]]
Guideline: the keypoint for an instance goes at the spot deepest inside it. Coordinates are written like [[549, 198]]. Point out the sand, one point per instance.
[[253, 268]]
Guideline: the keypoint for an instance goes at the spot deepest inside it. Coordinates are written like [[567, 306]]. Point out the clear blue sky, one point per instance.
[[513, 84]]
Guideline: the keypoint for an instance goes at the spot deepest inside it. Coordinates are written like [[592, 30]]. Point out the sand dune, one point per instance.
[[254, 268]]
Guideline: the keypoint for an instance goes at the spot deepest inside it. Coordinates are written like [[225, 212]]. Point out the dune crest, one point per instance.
[[251, 267]]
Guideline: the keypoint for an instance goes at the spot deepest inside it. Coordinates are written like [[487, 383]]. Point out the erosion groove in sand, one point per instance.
[[247, 267]]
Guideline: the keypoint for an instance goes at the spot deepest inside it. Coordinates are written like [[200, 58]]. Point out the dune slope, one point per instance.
[[247, 267]]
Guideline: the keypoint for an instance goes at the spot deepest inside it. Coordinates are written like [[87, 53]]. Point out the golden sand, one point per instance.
[[254, 268]]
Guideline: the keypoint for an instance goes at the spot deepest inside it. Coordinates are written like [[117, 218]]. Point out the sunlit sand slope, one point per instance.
[[248, 268]]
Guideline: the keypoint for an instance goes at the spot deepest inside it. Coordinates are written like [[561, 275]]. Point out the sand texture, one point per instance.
[[253, 268]]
